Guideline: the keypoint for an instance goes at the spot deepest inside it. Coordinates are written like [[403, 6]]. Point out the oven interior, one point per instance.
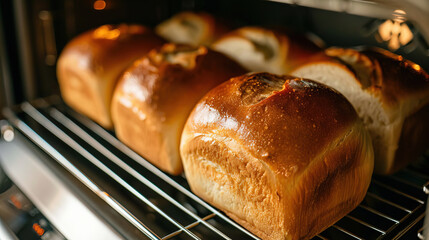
[[59, 163]]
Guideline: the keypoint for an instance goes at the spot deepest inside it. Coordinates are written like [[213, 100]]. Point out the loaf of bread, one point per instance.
[[156, 94], [260, 49], [389, 93], [285, 157], [90, 65], [192, 28]]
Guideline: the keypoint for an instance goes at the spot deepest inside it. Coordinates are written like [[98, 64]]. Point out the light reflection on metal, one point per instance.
[[6, 131], [8, 135], [395, 31]]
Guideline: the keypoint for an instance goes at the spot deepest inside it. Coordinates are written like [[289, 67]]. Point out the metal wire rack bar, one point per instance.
[[378, 213], [426, 188], [119, 145], [346, 231], [61, 118], [79, 175], [188, 226], [388, 202], [36, 115], [404, 181], [420, 232], [76, 131], [397, 191], [366, 224]]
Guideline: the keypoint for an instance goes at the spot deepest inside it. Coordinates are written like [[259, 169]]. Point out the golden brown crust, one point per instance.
[[397, 89], [366, 71], [401, 78], [391, 77], [283, 156], [196, 28], [279, 108], [155, 96], [91, 63], [282, 50], [405, 86]]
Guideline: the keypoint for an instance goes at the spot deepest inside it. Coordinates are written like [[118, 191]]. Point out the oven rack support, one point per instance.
[[392, 206]]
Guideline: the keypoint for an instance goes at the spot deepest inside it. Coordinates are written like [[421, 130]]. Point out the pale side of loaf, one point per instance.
[[282, 156], [156, 94], [90, 65], [389, 93], [260, 49], [192, 28]]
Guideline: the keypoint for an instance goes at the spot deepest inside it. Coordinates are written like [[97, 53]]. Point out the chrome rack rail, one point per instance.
[[162, 206]]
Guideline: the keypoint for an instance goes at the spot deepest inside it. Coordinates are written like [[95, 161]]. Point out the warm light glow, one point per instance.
[[106, 32], [396, 32], [417, 67], [38, 229], [99, 5]]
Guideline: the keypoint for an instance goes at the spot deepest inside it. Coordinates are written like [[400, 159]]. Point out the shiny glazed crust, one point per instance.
[[282, 156], [398, 87], [404, 91], [394, 79], [156, 94], [90, 65]]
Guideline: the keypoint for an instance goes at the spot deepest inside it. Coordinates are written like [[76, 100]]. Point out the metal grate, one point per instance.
[[162, 207]]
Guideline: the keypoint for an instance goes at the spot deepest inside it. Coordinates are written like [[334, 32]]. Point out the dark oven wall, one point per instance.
[[7, 57], [42, 28]]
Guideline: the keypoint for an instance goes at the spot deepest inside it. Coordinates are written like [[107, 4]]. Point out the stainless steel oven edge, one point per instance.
[[55, 199]]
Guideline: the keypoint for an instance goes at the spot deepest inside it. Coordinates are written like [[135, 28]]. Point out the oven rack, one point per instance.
[[160, 206]]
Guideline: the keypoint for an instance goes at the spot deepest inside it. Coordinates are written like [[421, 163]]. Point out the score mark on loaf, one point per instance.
[[285, 157], [389, 93], [156, 94]]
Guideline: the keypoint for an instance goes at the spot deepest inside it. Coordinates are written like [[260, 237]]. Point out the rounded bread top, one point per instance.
[[108, 46], [175, 77], [276, 50], [385, 75], [400, 77], [282, 120]]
